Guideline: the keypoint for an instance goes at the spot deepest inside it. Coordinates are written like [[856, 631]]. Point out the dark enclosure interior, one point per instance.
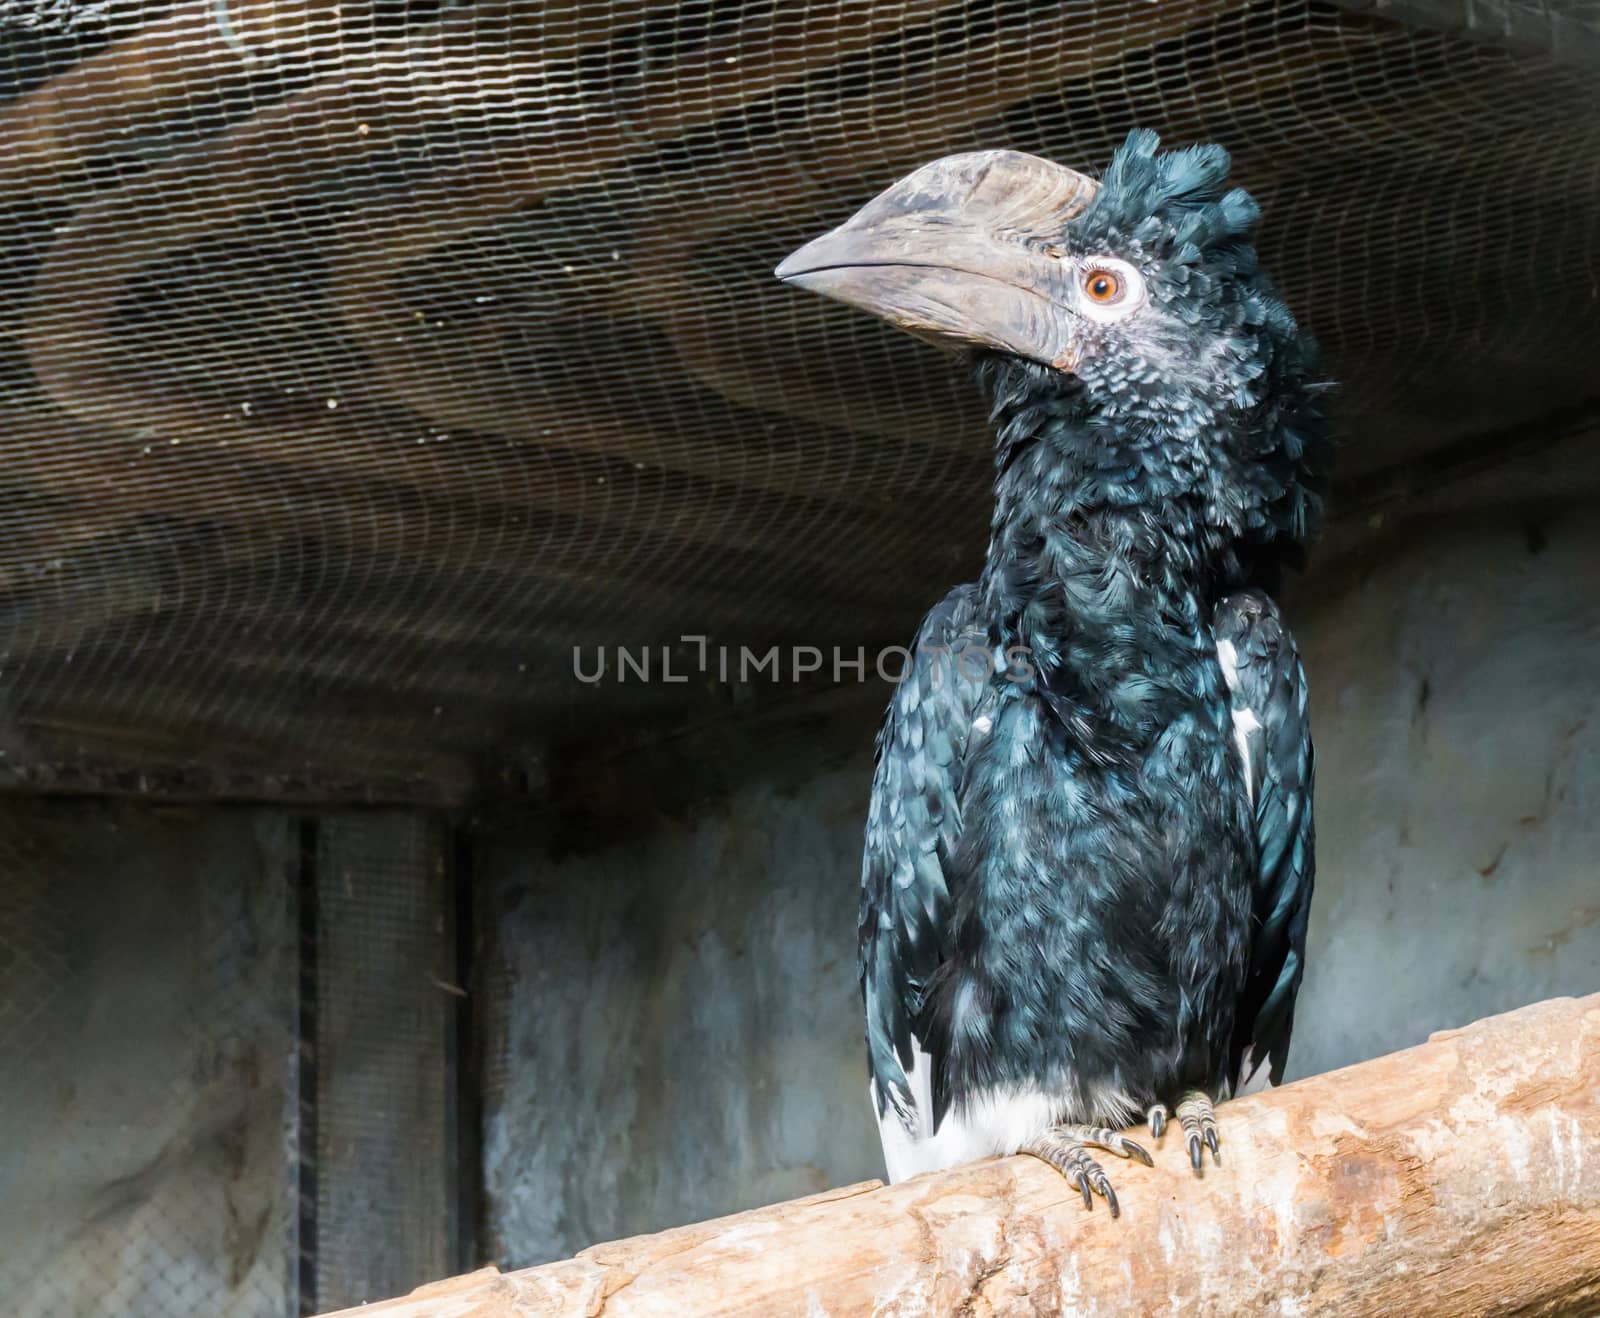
[[366, 364]]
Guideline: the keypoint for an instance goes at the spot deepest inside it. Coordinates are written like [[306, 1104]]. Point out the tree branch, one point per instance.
[[1460, 1177]]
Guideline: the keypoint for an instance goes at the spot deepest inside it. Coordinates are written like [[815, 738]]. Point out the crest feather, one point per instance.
[[1187, 189]]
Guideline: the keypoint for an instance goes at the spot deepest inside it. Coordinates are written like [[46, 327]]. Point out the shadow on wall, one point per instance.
[[679, 1017]]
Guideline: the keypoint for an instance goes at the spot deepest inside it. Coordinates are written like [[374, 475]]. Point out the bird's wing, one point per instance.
[[913, 823], [1272, 725]]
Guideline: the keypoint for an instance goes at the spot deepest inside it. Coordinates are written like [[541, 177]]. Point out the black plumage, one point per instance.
[[1089, 852]]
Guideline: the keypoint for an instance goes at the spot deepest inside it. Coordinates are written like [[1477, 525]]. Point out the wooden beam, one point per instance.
[[1460, 1177], [314, 759]]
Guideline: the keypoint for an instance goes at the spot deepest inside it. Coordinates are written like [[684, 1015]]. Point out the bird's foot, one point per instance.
[[1066, 1148], [1198, 1118]]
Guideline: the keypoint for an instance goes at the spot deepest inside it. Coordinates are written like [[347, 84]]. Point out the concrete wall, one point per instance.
[[679, 1030], [680, 1023], [1458, 718], [145, 985], [161, 1022]]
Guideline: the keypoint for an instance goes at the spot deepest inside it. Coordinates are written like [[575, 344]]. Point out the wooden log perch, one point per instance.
[[1459, 1177]]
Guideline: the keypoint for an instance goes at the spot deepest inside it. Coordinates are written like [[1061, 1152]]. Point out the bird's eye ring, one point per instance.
[[1102, 285], [1110, 289]]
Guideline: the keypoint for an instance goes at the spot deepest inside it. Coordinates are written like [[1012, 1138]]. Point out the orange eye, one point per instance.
[[1102, 286]]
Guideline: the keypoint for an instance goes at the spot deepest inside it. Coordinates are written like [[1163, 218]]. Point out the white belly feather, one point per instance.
[[994, 1122]]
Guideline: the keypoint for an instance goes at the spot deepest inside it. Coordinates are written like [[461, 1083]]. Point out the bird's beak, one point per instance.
[[961, 250]]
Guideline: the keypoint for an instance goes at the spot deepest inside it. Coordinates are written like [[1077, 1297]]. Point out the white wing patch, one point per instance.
[[1254, 1077], [1245, 722]]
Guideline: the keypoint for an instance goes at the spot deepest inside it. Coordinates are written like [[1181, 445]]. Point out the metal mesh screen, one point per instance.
[[358, 360], [386, 1198]]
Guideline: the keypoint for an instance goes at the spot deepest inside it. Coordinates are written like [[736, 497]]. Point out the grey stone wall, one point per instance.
[[1457, 712], [145, 982], [176, 1071], [679, 1030]]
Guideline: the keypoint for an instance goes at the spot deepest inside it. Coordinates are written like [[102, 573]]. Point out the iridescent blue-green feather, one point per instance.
[[1273, 724]]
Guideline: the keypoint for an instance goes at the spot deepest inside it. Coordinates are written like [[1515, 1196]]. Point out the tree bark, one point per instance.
[[1460, 1177]]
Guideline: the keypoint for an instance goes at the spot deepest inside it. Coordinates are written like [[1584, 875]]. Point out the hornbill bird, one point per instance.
[[1089, 852]]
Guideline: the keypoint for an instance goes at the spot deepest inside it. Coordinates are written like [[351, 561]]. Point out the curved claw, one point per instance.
[[1111, 1197], [1158, 1120], [1066, 1148], [1199, 1119]]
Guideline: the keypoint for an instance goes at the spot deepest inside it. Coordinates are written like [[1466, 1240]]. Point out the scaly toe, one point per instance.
[[1198, 1117], [1112, 1141], [1066, 1148]]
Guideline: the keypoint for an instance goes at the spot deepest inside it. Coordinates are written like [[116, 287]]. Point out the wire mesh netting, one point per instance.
[[385, 1158], [359, 360]]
